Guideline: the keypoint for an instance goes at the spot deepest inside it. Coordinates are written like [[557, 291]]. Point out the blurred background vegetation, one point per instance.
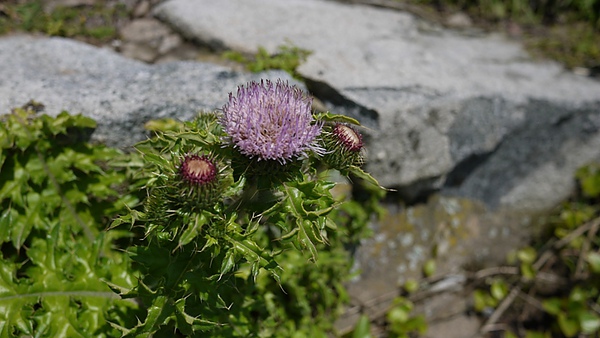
[[567, 31], [92, 23]]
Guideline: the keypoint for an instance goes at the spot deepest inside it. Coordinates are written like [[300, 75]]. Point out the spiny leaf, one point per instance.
[[255, 254], [329, 117], [193, 229], [367, 177], [305, 240], [195, 323]]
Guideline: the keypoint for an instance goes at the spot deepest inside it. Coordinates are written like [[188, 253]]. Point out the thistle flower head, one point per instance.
[[271, 121]]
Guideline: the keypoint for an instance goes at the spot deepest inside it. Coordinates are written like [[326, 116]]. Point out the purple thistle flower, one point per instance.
[[271, 121]]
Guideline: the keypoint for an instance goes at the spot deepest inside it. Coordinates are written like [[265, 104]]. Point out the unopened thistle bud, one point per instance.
[[199, 180], [199, 170], [343, 145]]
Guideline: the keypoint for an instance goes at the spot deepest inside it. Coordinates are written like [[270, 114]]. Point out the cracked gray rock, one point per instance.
[[119, 93]]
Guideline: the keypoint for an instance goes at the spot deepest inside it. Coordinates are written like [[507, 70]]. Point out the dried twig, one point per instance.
[[577, 232], [585, 248], [506, 302], [532, 300], [497, 270]]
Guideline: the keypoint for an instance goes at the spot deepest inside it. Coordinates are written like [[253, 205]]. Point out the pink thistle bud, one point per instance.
[[198, 169], [348, 137]]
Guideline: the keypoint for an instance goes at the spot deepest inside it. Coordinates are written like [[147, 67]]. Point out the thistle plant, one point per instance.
[[232, 198]]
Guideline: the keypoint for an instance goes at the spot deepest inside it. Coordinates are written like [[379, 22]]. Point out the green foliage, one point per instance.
[[402, 323], [260, 251], [288, 58], [560, 276], [362, 328], [573, 312], [576, 44], [536, 11], [57, 193], [589, 180], [564, 30], [95, 22]]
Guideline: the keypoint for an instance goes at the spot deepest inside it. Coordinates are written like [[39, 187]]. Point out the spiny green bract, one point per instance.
[[56, 195]]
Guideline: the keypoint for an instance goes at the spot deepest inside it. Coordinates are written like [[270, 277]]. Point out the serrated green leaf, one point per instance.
[[255, 254], [12, 188], [23, 225], [228, 262], [60, 169], [193, 230], [195, 324], [305, 241], [161, 309], [358, 172], [6, 224], [36, 170], [155, 159], [329, 117], [79, 120], [5, 141], [163, 125]]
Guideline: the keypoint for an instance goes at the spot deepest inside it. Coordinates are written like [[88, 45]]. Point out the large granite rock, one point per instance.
[[470, 115], [119, 93]]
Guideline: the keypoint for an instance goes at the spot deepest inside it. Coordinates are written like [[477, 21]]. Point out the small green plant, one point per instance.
[[57, 195], [96, 23], [402, 323], [400, 320], [287, 58], [552, 288]]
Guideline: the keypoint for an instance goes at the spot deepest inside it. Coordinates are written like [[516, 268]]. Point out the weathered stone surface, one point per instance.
[[119, 93], [470, 115]]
